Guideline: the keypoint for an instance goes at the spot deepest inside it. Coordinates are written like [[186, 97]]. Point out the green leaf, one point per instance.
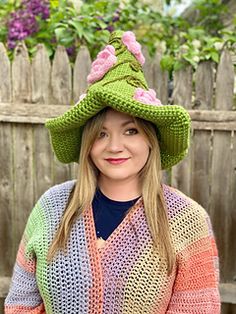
[[60, 33], [215, 56], [167, 62], [77, 25]]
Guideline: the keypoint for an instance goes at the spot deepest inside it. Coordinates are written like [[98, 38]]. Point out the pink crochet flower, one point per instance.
[[105, 60], [147, 97], [129, 40]]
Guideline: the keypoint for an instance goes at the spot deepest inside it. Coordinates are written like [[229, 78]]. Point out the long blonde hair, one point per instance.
[[152, 193]]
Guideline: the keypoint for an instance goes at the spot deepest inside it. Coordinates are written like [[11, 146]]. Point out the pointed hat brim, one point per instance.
[[172, 123]]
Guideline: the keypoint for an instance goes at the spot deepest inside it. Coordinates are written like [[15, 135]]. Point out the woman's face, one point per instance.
[[120, 151]]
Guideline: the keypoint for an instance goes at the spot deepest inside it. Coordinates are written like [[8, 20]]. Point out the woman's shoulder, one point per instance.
[[178, 203], [56, 197], [189, 222], [60, 190]]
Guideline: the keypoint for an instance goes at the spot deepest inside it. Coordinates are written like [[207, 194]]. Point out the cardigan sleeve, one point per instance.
[[24, 296], [195, 288]]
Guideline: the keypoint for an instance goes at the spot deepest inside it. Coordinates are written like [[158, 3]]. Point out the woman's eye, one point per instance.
[[101, 135], [131, 131]]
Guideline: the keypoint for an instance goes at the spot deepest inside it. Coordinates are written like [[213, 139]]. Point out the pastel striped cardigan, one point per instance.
[[125, 276]]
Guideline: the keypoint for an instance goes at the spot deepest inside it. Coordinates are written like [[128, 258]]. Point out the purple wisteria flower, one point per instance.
[[71, 51], [37, 7], [23, 22], [21, 25]]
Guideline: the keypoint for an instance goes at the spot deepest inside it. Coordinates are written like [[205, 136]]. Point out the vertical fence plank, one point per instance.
[[6, 182], [21, 75], [23, 179], [228, 309], [225, 82], [148, 68], [61, 172], [5, 76], [6, 197], [160, 80], [182, 94], [61, 78], [181, 174], [230, 268], [81, 71], [43, 159], [201, 169], [41, 71], [220, 191], [204, 86], [42, 154]]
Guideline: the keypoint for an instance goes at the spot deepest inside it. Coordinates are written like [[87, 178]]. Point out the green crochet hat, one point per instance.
[[117, 81]]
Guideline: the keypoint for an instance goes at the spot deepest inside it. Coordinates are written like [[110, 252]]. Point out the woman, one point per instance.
[[117, 240]]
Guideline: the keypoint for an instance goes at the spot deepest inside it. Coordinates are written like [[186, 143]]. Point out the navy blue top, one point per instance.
[[108, 213]]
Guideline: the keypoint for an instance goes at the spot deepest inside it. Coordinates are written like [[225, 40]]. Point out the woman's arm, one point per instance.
[[24, 296], [196, 285]]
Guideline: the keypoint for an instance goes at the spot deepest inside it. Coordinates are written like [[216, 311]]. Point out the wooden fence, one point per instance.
[[33, 91]]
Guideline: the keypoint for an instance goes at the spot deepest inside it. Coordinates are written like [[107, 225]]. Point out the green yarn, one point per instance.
[[116, 89]]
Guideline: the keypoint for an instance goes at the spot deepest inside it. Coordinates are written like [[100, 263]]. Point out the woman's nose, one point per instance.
[[115, 143]]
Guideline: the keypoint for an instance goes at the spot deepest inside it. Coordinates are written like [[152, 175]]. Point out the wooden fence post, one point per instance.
[[81, 71], [5, 76], [21, 75], [223, 196], [41, 94], [182, 95], [61, 79], [225, 82], [202, 152], [160, 80]]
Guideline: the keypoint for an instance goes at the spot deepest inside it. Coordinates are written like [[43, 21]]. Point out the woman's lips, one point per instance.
[[116, 161]]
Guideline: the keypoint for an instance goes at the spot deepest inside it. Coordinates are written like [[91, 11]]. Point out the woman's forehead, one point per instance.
[[115, 117]]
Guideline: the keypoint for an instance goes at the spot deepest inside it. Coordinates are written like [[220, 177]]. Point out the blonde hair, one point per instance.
[[152, 193]]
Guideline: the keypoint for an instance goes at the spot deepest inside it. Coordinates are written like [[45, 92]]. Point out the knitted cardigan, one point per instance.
[[125, 277]]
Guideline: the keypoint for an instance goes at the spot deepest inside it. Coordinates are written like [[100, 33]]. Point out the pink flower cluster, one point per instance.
[[129, 40], [105, 60], [147, 97]]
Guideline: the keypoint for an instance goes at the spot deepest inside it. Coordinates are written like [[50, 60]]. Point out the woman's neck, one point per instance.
[[120, 191]]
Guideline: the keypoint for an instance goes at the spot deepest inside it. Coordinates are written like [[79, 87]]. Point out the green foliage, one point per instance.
[[180, 41]]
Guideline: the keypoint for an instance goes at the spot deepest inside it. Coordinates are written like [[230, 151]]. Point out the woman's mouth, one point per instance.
[[116, 161]]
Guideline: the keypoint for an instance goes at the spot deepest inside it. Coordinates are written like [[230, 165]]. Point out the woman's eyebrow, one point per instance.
[[122, 124]]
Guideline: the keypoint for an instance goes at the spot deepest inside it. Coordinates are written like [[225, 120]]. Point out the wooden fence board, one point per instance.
[[21, 75], [204, 86], [228, 309], [61, 172], [160, 80], [6, 197], [148, 68], [23, 180], [61, 79], [41, 71], [81, 71], [43, 159], [225, 82], [201, 170], [5, 76], [182, 94], [230, 248], [181, 173], [220, 191]]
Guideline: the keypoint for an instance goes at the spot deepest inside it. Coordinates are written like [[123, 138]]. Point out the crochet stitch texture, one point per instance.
[[123, 277]]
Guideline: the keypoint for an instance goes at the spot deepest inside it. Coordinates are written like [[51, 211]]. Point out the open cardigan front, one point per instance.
[[122, 275]]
